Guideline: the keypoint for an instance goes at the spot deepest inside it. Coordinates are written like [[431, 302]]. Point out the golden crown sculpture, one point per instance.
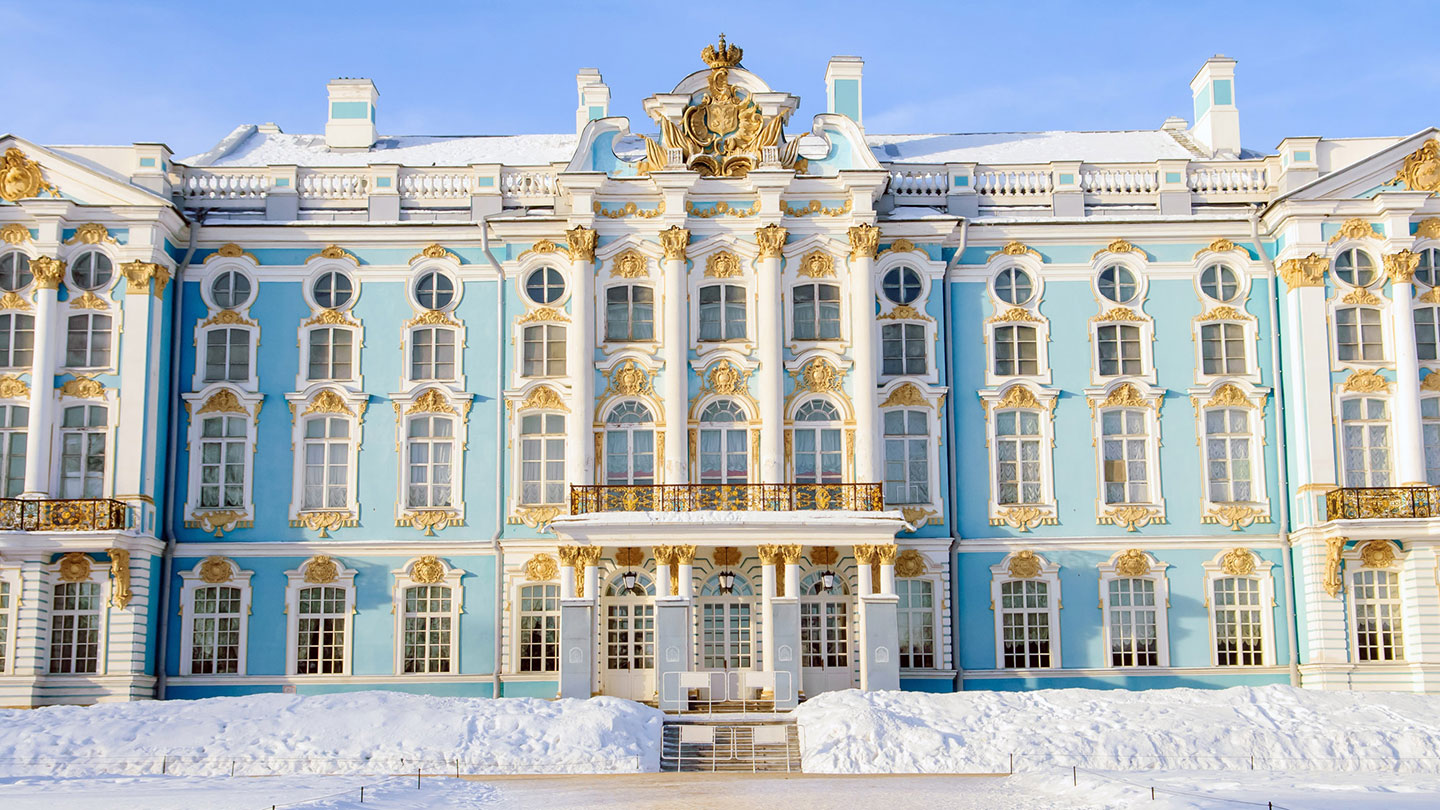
[[721, 56]]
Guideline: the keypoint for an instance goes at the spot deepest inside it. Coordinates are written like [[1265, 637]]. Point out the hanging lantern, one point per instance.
[[827, 580], [629, 579], [727, 582]]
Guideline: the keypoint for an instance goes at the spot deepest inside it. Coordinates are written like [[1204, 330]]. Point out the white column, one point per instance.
[[145, 289], [886, 553], [1310, 360], [685, 557], [568, 558], [864, 240], [590, 555], [675, 350], [769, 556], [662, 555], [1408, 443], [864, 556], [48, 335], [580, 358], [792, 571], [770, 345]]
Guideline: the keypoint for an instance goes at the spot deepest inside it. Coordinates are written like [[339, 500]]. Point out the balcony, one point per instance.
[[1380, 503], [71, 515], [727, 498]]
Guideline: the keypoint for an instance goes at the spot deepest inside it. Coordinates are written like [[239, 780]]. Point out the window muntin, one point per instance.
[[1134, 637], [817, 455], [332, 353], [75, 628], [630, 312], [222, 462], [1355, 267], [1014, 286], [227, 354], [907, 457], [1430, 429], [434, 290], [902, 349], [901, 285], [540, 628], [321, 625], [332, 290], [816, 311], [87, 341], [916, 617], [1365, 441], [17, 340], [230, 290], [1017, 457], [722, 453], [327, 463], [1220, 283], [544, 347], [1239, 634], [432, 353], [1427, 271], [14, 434], [91, 270], [1119, 349], [15, 272], [431, 440], [82, 452], [1222, 348], [1358, 335], [1025, 623], [545, 285], [630, 445], [824, 631], [1125, 440], [722, 312], [542, 458], [1427, 333], [1017, 351], [215, 631], [1117, 283], [1227, 455], [428, 632], [1379, 628]]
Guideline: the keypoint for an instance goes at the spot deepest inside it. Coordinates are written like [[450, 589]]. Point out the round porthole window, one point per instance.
[[901, 285], [230, 290], [1354, 266], [1013, 286], [1429, 266], [91, 271], [1219, 282], [332, 290], [15, 271], [434, 290], [1118, 284], [545, 285]]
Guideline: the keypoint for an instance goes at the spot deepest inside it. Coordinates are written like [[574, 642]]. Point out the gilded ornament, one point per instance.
[[75, 567], [20, 177], [14, 233], [629, 556], [120, 593], [334, 252], [12, 387], [1236, 516], [1334, 559], [906, 394], [1355, 228], [884, 553], [1431, 296], [864, 240], [227, 317], [90, 233], [1221, 245], [629, 209], [216, 570], [910, 563], [1018, 396], [1016, 315], [664, 555], [1133, 518], [1124, 395], [1229, 395], [545, 246], [1431, 382], [1115, 314], [629, 264], [537, 517], [429, 521], [545, 314], [630, 380], [1132, 563], [435, 251], [1419, 172], [48, 272], [321, 570], [817, 264], [817, 207], [230, 250], [724, 379], [328, 401], [819, 376], [1306, 272], [223, 401], [823, 555], [427, 570], [718, 57], [541, 568], [1024, 518], [324, 522], [674, 240], [1400, 267], [683, 555], [1238, 562], [722, 265], [725, 556], [722, 208], [138, 276], [898, 246], [771, 240], [772, 555], [582, 242], [1014, 249], [432, 401], [1223, 313], [12, 300], [1362, 296], [1024, 565], [83, 388], [545, 398], [1377, 554], [219, 521], [89, 300], [325, 317], [1428, 229], [1117, 246], [1366, 381]]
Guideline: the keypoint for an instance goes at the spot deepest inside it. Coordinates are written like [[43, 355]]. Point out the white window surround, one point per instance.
[[1361, 299], [1127, 394], [422, 402], [332, 319], [296, 581], [1155, 571], [520, 271], [702, 273], [518, 582], [610, 276], [931, 275], [1019, 396], [1244, 564], [903, 395], [1364, 246], [9, 617], [791, 278], [222, 320], [1352, 562], [219, 399], [406, 577], [72, 252], [1023, 314], [1239, 394], [215, 266], [109, 400], [1388, 422], [537, 397], [749, 408], [846, 426], [317, 266], [325, 399], [99, 575], [1130, 313], [1239, 261], [67, 310], [937, 598], [1219, 314], [194, 579], [1019, 566]]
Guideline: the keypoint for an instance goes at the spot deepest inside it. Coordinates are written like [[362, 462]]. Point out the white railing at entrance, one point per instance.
[[756, 691]]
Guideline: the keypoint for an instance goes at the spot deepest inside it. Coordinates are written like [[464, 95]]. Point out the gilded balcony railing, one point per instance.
[[67, 515], [726, 498], [1366, 503]]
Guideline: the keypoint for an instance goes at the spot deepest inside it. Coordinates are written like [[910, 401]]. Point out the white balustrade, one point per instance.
[[431, 184], [528, 183], [315, 184], [224, 185], [1228, 179], [1014, 183], [919, 184], [1119, 181]]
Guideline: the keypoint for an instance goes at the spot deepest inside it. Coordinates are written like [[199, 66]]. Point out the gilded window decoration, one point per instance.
[[1334, 562], [629, 264], [13, 233], [1118, 246], [1307, 272], [817, 264], [1013, 249], [541, 568], [1355, 228], [1220, 245], [722, 208], [1238, 562], [543, 397], [1377, 554], [1365, 381], [723, 265], [817, 207]]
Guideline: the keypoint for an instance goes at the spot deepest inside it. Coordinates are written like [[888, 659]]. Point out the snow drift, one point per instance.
[[360, 732], [1278, 726]]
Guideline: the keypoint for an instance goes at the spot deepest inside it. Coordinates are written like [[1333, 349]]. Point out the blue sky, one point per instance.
[[187, 73]]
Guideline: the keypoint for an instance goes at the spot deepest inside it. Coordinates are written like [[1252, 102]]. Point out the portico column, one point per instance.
[[879, 628], [580, 358], [569, 556], [1309, 359], [590, 557], [673, 629], [864, 240], [48, 274], [685, 560], [769, 557], [1408, 444], [577, 621], [770, 377], [675, 350], [864, 559], [792, 569], [663, 555], [782, 632], [886, 554]]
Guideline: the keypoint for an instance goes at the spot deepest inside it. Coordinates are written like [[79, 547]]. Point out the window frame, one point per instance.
[[724, 286], [1021, 397], [1047, 573], [219, 399], [844, 423], [325, 400], [431, 401], [57, 442], [411, 344], [111, 332], [517, 641], [7, 434], [1346, 248], [13, 578], [1156, 573], [1353, 573], [747, 425], [1387, 421], [296, 581], [544, 329], [10, 333], [99, 576], [191, 581], [406, 577], [927, 442], [518, 489], [631, 287], [72, 261], [842, 330], [1382, 322], [657, 442], [1223, 325], [937, 643], [1215, 569]]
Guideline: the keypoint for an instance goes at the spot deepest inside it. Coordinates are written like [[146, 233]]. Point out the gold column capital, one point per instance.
[[48, 272], [771, 554], [864, 241], [582, 242], [885, 554], [771, 239], [684, 555], [664, 555], [1400, 267], [589, 556], [569, 555], [792, 553], [864, 555], [138, 276], [1306, 272], [674, 240]]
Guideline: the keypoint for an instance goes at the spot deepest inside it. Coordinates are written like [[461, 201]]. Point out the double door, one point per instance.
[[628, 657], [825, 635]]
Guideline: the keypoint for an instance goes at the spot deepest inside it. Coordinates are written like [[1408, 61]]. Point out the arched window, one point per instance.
[[901, 285], [1013, 286], [1117, 283], [715, 586], [87, 341], [907, 456], [816, 310], [722, 312], [545, 285], [434, 290], [630, 445], [813, 584], [542, 458], [544, 351], [1354, 266], [1017, 351], [327, 463], [15, 272], [230, 290], [1220, 283], [723, 457], [643, 586], [1017, 456], [332, 290], [431, 443], [227, 354], [82, 451], [818, 458], [17, 340], [1427, 271], [902, 349], [1365, 441], [630, 312], [1358, 335]]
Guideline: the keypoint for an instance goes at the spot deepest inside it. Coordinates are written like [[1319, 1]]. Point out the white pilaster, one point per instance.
[[770, 377], [48, 334], [580, 358], [1309, 361], [864, 239], [675, 391], [768, 560], [139, 339], [1409, 453], [662, 574]]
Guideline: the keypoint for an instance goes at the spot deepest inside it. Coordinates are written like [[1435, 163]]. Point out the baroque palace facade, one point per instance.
[[747, 404]]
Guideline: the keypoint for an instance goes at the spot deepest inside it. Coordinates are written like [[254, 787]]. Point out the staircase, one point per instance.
[[694, 744]]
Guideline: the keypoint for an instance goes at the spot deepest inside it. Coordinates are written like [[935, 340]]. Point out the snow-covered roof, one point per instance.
[[1130, 146], [265, 146]]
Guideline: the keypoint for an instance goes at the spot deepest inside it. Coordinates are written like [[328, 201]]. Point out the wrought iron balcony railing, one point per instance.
[[726, 498], [1366, 503], [62, 515]]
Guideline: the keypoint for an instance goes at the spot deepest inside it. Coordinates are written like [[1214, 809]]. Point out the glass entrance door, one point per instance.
[[629, 654], [825, 644], [727, 634]]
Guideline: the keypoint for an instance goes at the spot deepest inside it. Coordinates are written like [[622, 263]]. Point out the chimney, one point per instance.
[[1217, 121], [842, 86], [351, 123], [594, 98]]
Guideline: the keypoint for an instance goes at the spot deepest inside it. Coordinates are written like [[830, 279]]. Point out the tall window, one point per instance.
[[82, 452], [1358, 334], [87, 341], [332, 352], [902, 348], [1134, 641], [1125, 439], [544, 351], [630, 445], [6, 612], [1025, 622], [1227, 454], [540, 628], [428, 634], [432, 353], [917, 623], [222, 462], [630, 313], [14, 427], [215, 639], [432, 447], [1429, 427], [722, 312], [1365, 436], [818, 458], [327, 463], [322, 623], [723, 456], [1119, 347], [1017, 457], [907, 457], [1427, 333], [75, 629], [17, 340], [227, 355], [1017, 351], [816, 311], [1378, 630], [1222, 348], [542, 458], [1239, 634]]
